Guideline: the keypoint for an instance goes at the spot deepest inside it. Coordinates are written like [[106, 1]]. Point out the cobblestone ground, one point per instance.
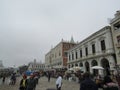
[[42, 85]]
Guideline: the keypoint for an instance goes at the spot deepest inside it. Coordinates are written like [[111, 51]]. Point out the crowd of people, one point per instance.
[[93, 82], [31, 82], [86, 80], [106, 83]]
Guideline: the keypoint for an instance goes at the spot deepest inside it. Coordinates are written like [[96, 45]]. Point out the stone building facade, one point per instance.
[[36, 66], [95, 50], [115, 25], [57, 56]]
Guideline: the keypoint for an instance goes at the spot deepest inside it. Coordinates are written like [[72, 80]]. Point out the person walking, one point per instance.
[[3, 79], [88, 83], [59, 81], [49, 75], [23, 83], [31, 83], [109, 84], [12, 79]]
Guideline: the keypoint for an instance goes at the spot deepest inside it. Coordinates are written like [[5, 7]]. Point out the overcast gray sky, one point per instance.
[[28, 28]]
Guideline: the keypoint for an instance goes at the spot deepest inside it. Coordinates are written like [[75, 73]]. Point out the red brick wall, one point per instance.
[[65, 47]]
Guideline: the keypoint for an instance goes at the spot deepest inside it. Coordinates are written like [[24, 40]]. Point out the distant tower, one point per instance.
[[72, 40], [62, 40], [34, 60]]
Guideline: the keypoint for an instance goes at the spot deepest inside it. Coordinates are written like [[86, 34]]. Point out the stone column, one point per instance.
[[83, 66], [99, 64], [91, 71]]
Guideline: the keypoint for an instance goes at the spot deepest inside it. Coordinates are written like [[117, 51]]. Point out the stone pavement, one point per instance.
[[43, 85]]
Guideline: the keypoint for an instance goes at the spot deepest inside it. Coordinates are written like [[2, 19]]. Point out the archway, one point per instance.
[[87, 66], [69, 66], [72, 65], [106, 66], [76, 65], [80, 64], [94, 63]]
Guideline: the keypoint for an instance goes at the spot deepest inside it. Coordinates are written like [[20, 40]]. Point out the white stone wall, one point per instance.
[[103, 34], [54, 57], [34, 66], [47, 59]]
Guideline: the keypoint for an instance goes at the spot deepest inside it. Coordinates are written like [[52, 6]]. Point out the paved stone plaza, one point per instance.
[[43, 85]]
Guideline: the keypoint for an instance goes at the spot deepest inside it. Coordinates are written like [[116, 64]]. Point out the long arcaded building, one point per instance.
[[96, 50]]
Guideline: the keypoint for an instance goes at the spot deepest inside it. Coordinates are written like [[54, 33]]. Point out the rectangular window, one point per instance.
[[93, 48], [103, 47], [76, 55], [117, 26], [72, 56], [118, 39], [69, 57], [86, 51], [65, 54], [80, 53], [59, 53]]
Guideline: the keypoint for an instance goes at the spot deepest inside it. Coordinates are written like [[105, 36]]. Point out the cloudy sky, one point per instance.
[[28, 28]]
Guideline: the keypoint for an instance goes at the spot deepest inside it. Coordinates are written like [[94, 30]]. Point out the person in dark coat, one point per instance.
[[107, 79], [3, 80], [49, 75], [87, 83], [31, 83]]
